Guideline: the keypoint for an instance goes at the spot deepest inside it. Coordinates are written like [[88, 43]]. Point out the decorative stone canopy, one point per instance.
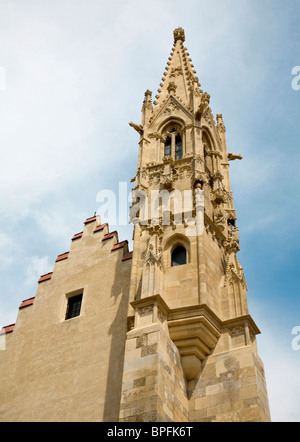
[[193, 330], [194, 336]]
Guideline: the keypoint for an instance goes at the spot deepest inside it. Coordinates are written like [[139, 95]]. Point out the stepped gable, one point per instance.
[[63, 256]]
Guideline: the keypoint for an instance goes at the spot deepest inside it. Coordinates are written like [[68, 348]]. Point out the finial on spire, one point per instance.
[[148, 99], [179, 34]]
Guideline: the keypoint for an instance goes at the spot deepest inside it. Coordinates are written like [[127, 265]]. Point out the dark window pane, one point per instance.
[[74, 306], [179, 256], [178, 147], [168, 147]]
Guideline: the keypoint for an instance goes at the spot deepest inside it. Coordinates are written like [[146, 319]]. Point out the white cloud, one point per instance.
[[37, 267], [282, 374], [8, 250], [53, 223]]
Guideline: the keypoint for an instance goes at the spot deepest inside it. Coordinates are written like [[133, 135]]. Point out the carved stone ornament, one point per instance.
[[172, 107], [172, 88], [167, 181], [236, 331], [198, 159], [220, 124], [219, 196], [234, 270], [179, 34], [233, 156], [232, 243], [154, 252], [154, 229], [231, 214], [218, 176], [147, 103], [138, 127], [194, 337], [143, 311], [168, 160], [158, 136], [200, 177], [219, 219], [231, 246], [205, 99], [176, 71]]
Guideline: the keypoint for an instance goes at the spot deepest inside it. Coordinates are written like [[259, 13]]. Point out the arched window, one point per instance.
[[173, 145], [168, 145], [207, 152], [178, 256], [178, 147]]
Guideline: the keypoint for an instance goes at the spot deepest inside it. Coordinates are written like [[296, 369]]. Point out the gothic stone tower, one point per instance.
[[160, 333], [191, 350]]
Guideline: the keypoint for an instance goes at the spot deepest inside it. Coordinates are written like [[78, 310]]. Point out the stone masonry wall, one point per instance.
[[231, 388], [154, 388]]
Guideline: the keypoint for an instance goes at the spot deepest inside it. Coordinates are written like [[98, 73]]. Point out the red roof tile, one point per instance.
[[27, 302], [45, 277], [98, 228], [127, 256], [62, 256], [90, 220], [109, 235], [119, 245], [7, 329], [78, 235]]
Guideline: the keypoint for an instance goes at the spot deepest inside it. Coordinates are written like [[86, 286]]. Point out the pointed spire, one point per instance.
[[147, 108], [179, 78]]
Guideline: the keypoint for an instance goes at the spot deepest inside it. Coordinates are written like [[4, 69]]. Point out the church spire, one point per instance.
[[179, 78], [188, 295]]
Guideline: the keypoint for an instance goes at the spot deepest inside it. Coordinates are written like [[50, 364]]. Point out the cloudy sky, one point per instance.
[[73, 75]]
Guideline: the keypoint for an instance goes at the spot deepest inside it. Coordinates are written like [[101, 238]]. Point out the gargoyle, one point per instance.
[[138, 127], [233, 156]]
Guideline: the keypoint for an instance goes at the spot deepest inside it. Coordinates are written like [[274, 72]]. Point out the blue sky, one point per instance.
[[75, 75]]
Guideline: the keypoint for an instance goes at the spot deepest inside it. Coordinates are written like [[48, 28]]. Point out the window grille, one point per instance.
[[74, 306]]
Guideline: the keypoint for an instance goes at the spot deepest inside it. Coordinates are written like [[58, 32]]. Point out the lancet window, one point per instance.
[[207, 153], [173, 145], [178, 256], [178, 147], [168, 146]]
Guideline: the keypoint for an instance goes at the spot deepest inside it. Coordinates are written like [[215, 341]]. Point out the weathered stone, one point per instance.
[[164, 333]]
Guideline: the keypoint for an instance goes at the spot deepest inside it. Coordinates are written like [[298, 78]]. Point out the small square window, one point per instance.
[[74, 306]]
